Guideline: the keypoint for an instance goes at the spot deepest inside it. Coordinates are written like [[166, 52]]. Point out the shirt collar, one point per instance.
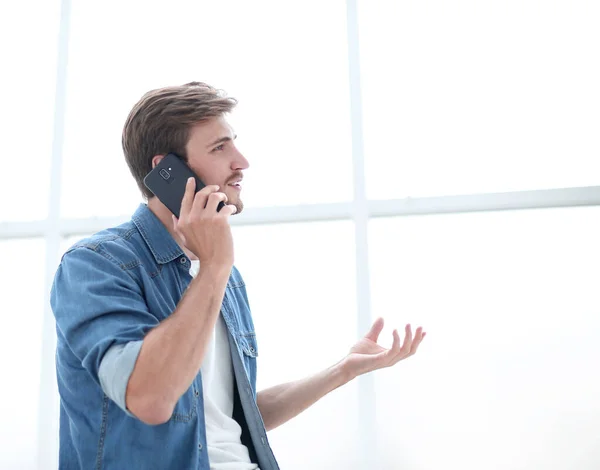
[[163, 246]]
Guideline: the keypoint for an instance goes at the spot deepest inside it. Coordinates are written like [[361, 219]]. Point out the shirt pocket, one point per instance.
[[249, 348], [248, 344], [186, 408]]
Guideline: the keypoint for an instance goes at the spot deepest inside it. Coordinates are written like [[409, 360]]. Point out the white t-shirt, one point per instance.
[[223, 433]]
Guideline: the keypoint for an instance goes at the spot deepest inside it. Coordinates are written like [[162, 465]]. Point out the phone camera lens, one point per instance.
[[165, 174]]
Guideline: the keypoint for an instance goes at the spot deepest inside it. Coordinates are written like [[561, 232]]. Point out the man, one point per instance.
[[156, 351]]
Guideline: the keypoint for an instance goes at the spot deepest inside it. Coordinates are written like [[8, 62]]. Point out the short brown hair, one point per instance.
[[160, 123]]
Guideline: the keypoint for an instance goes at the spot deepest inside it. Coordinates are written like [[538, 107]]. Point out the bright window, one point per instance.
[[468, 96], [510, 301], [301, 287], [20, 349], [27, 84], [293, 116]]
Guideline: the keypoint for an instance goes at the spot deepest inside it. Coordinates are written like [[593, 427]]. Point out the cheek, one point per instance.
[[208, 175], [214, 169]]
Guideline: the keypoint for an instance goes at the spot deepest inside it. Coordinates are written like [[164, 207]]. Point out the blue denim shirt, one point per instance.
[[108, 292]]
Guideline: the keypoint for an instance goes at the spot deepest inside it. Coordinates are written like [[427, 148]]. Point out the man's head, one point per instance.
[[188, 120]]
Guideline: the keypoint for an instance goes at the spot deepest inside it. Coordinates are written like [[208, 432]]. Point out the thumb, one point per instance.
[[176, 228], [377, 327]]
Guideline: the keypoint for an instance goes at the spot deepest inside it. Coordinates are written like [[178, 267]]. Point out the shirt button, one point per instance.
[[264, 441], [182, 260], [199, 446], [197, 393]]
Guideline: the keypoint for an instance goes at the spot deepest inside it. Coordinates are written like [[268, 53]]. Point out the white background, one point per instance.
[[346, 109]]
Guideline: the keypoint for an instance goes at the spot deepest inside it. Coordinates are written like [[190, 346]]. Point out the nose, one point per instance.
[[240, 162]]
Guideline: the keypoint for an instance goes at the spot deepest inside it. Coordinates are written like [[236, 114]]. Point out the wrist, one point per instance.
[[216, 270], [212, 277], [343, 372]]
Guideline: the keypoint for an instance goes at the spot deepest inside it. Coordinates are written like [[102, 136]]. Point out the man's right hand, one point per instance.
[[203, 230]]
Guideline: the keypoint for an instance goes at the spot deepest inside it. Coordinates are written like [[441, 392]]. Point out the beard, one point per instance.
[[239, 205], [233, 194], [233, 198]]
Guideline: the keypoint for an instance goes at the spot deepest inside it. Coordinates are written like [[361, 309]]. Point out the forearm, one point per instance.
[[171, 354], [283, 402]]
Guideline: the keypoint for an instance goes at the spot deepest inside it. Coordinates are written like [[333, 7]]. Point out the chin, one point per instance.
[[239, 205], [233, 197]]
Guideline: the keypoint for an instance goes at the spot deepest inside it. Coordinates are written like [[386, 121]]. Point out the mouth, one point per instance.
[[237, 184]]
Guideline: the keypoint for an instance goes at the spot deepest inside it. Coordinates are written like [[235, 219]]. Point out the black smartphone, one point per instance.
[[168, 180]]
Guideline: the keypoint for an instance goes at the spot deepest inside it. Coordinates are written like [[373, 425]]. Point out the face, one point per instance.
[[213, 156]]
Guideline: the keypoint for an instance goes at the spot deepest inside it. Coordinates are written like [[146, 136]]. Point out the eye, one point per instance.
[[219, 148]]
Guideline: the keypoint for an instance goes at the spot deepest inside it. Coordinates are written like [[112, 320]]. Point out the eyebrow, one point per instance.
[[222, 140]]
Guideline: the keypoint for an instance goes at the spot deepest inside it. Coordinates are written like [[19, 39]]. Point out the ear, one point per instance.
[[156, 160]]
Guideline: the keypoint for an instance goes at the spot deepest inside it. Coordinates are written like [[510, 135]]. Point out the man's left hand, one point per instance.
[[366, 355]]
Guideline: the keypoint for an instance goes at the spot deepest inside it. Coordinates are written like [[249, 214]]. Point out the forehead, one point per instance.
[[212, 129]]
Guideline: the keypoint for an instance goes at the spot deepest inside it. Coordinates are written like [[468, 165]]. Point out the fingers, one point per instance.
[[420, 334], [202, 197], [213, 201], [201, 204], [375, 330], [188, 198], [408, 339], [228, 209], [176, 228], [409, 346], [395, 350]]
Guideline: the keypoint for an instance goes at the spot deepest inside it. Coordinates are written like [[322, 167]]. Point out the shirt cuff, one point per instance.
[[116, 368]]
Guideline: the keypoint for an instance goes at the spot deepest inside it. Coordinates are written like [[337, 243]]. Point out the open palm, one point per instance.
[[367, 355]]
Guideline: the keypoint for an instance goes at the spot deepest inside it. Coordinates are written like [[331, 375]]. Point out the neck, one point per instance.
[[166, 217]]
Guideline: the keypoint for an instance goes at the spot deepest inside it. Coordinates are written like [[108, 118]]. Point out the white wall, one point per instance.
[[464, 97], [509, 377]]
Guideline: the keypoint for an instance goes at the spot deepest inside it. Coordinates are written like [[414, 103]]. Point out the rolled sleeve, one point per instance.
[[116, 368], [102, 315]]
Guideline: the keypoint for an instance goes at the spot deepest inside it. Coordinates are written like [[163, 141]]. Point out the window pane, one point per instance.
[[68, 242], [22, 281], [29, 35], [478, 96], [292, 119], [301, 283], [510, 302]]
